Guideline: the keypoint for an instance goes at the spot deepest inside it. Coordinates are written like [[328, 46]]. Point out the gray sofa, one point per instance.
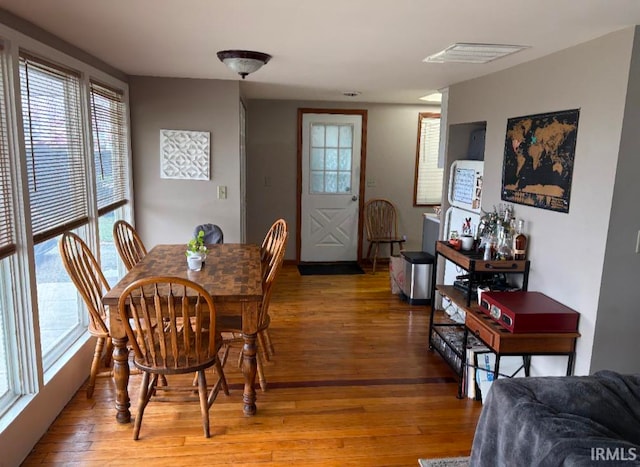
[[560, 421]]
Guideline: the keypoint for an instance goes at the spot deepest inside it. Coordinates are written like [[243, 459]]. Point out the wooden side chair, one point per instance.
[[274, 241], [381, 222], [172, 348], [128, 243], [88, 278], [272, 255]]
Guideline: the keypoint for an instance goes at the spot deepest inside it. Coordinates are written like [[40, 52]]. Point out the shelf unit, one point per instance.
[[451, 339], [496, 338]]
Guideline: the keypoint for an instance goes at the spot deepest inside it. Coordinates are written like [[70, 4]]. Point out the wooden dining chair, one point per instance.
[[272, 256], [88, 278], [212, 233], [274, 241], [128, 243], [381, 222], [172, 348]]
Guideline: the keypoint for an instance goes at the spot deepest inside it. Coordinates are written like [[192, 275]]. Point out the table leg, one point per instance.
[[249, 366], [121, 376]]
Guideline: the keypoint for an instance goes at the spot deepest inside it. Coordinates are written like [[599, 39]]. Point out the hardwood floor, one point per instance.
[[352, 384]]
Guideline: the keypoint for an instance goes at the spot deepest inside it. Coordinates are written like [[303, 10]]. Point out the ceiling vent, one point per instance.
[[473, 53]]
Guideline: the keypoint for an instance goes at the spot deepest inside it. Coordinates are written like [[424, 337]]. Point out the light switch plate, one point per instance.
[[222, 192]]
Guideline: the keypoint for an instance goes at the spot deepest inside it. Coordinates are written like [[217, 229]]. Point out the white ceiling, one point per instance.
[[321, 48]]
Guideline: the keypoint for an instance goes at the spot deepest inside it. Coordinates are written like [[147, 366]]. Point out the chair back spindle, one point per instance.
[[174, 347], [128, 243], [85, 272]]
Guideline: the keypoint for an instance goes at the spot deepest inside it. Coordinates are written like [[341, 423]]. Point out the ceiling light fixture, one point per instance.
[[473, 53], [243, 62]]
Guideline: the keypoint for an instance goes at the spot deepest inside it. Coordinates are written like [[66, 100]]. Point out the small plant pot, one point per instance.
[[194, 261], [466, 242]]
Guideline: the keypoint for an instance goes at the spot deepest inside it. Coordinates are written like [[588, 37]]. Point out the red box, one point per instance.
[[522, 312]]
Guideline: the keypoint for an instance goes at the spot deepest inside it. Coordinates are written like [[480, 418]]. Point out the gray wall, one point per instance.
[[168, 210], [618, 322], [272, 152], [567, 251]]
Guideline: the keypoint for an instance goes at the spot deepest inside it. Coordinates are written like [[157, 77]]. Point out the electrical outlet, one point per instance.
[[371, 182], [222, 192]]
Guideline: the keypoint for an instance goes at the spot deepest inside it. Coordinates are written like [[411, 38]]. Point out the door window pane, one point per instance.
[[330, 159], [332, 136], [344, 182], [346, 136], [317, 136], [331, 182], [345, 160], [317, 159]]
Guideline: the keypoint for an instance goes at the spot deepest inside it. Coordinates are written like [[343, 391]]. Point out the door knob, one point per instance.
[[354, 198]]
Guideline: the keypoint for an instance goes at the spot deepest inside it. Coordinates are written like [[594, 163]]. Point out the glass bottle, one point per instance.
[[504, 250], [520, 242]]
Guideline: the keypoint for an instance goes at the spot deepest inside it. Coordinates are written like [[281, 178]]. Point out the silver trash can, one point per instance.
[[418, 267]]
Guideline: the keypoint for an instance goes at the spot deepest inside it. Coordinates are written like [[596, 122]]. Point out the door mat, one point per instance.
[[445, 462], [329, 269]]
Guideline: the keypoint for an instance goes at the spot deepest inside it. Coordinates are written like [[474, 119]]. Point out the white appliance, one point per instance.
[[465, 196]]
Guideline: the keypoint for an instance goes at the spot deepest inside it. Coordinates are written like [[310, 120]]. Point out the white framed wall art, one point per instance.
[[185, 154]]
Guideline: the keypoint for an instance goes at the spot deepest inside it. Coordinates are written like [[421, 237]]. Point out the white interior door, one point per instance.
[[331, 146]]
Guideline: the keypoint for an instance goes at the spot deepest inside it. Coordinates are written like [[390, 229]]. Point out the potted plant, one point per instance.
[[196, 251]]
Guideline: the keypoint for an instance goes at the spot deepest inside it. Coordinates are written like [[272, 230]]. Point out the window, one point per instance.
[[109, 128], [66, 106], [110, 154], [53, 147], [112, 266], [7, 241], [56, 172], [7, 244], [330, 164], [428, 177]]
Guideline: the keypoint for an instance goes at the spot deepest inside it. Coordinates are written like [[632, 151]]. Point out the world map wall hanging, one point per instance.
[[539, 153]]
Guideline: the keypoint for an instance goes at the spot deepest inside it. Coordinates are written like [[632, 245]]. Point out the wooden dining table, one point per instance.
[[231, 274]]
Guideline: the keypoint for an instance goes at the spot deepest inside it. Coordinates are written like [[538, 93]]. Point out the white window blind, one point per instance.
[[109, 126], [428, 183], [7, 241], [50, 98]]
